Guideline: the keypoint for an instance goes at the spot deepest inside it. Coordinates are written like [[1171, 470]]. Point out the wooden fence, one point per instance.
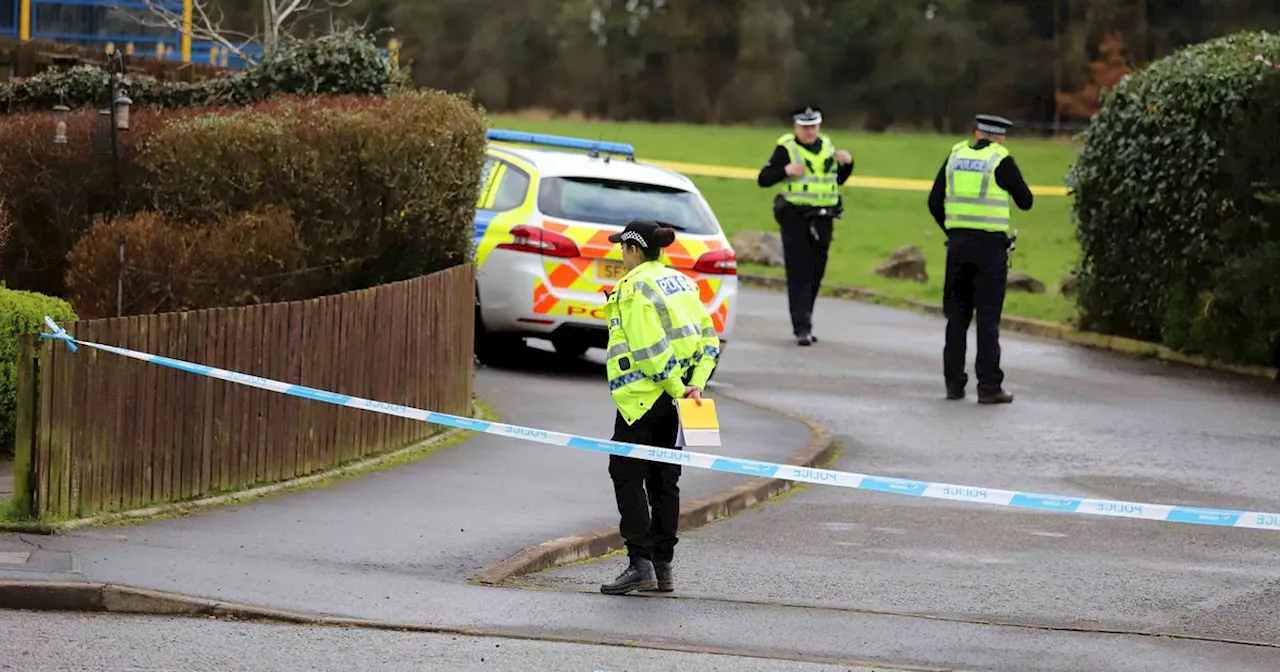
[[98, 432]]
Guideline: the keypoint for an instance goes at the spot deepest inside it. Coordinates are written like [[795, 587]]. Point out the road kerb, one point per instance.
[[574, 548], [1030, 327], [54, 527]]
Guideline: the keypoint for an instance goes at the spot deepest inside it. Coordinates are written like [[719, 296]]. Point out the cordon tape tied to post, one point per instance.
[[964, 493]]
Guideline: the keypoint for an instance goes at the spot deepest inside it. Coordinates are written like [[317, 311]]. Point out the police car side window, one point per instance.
[[512, 190]]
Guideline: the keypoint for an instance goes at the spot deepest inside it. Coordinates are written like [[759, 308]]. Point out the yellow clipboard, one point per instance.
[[699, 425]]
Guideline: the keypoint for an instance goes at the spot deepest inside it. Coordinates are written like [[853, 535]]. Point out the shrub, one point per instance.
[[20, 313], [340, 63], [383, 189], [53, 191], [245, 258], [1176, 202]]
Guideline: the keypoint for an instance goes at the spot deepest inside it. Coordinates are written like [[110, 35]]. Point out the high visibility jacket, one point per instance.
[[817, 187], [974, 200], [660, 335]]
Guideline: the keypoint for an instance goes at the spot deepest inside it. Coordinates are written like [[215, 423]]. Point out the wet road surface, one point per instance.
[[1084, 424], [194, 645]]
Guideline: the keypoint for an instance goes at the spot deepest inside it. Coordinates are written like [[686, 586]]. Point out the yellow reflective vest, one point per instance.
[[974, 200], [818, 186], [659, 333]]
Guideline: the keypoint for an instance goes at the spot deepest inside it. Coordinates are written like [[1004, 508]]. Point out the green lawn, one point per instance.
[[876, 221]]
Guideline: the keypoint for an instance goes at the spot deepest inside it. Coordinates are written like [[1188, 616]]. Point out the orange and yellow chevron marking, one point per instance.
[[543, 301], [894, 183], [719, 317]]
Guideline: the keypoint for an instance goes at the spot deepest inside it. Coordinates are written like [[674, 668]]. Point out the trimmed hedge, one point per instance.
[[1177, 201], [339, 63], [20, 313], [245, 258], [383, 189], [53, 192]]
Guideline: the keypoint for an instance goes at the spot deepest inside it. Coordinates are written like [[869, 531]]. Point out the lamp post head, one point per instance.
[[60, 113], [122, 112]]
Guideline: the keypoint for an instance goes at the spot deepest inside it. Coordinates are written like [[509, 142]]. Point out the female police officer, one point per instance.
[[662, 346]]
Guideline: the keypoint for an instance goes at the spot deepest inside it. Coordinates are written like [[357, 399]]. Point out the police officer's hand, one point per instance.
[[844, 157], [694, 394], [795, 169]]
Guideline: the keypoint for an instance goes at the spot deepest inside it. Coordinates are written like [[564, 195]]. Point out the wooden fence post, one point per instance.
[[27, 408]]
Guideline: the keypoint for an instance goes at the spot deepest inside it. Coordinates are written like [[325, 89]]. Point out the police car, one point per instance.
[[543, 220]]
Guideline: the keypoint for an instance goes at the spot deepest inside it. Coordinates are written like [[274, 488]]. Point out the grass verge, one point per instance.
[[876, 221]]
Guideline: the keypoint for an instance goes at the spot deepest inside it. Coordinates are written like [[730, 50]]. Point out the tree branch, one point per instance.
[[203, 26]]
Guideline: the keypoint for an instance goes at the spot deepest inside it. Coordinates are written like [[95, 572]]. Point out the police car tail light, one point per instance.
[[718, 262], [538, 240]]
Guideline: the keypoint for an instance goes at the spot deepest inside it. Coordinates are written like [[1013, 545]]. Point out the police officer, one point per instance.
[[970, 201], [662, 346], [807, 170]]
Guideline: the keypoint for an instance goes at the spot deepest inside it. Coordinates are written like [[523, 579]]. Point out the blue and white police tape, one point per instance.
[[686, 458]]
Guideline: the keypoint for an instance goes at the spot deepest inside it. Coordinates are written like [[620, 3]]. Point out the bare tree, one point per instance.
[[208, 22]]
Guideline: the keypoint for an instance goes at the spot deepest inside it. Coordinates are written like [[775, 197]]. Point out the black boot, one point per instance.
[[996, 397], [638, 576], [955, 391], [805, 340], [665, 583]]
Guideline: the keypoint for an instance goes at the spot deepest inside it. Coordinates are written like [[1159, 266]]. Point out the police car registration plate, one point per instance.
[[610, 271]]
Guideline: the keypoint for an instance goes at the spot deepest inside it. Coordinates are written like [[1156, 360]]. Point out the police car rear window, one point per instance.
[[616, 203]]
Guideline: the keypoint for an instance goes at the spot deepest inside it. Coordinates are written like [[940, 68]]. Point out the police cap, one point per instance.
[[988, 123], [646, 233], [807, 116]]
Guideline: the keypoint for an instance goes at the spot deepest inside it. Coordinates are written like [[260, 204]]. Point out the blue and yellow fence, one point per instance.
[[107, 24]]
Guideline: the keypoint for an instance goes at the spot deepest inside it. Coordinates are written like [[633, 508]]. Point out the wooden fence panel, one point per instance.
[[103, 432]]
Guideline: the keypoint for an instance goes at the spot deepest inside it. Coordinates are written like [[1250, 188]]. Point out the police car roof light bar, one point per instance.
[[562, 142]]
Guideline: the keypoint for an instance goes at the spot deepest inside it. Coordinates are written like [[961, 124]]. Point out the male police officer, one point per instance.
[[970, 201], [807, 170]]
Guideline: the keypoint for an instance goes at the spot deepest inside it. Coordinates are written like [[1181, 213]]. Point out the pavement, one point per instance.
[[851, 577]]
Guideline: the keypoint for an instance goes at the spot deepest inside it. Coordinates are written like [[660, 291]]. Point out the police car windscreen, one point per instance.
[[615, 203]]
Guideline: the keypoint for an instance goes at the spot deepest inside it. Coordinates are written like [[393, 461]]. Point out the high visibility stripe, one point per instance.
[[964, 200], [977, 219]]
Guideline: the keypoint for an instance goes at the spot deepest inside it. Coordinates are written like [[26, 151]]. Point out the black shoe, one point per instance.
[[955, 392], [665, 584], [997, 397], [806, 340], [638, 576]]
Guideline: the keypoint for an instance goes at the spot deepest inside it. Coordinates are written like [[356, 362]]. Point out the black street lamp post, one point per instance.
[[113, 117]]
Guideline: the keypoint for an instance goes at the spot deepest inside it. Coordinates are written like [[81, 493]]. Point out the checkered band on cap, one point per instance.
[[633, 236]]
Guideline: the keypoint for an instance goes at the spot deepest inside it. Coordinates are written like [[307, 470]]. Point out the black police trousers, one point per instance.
[[806, 243], [648, 493], [977, 274]]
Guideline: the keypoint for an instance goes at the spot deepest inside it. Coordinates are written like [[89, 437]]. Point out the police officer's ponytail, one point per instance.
[[664, 236]]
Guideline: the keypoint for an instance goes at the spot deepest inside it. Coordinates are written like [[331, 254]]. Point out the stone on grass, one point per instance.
[[758, 247], [907, 263], [1021, 282]]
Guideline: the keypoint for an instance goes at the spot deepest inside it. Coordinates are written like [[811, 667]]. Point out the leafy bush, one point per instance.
[[20, 313], [340, 63], [1178, 202], [54, 191], [169, 266], [383, 189]]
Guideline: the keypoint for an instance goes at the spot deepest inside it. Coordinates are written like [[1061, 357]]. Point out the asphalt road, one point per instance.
[[97, 642], [1084, 423]]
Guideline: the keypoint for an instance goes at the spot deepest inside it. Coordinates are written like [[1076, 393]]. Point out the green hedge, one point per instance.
[[382, 189], [340, 63], [1177, 202], [20, 313]]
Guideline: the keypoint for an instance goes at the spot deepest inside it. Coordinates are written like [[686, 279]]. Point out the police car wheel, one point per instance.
[[570, 347]]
